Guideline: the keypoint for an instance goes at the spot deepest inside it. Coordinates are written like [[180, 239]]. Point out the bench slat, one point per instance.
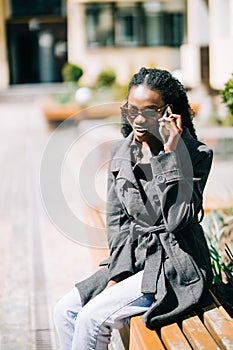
[[197, 334], [220, 326], [173, 338], [142, 338], [224, 313]]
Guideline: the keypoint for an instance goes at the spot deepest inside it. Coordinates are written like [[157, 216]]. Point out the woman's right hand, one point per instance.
[[110, 284], [170, 129]]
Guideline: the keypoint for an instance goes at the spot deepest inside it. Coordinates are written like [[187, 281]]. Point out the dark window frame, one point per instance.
[[21, 8], [171, 26]]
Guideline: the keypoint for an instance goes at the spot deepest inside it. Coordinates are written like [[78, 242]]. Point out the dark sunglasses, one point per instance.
[[147, 112]]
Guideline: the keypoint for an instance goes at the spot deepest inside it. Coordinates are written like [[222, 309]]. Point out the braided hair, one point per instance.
[[171, 90]]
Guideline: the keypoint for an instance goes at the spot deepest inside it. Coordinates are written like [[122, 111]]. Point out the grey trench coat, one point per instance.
[[161, 235]]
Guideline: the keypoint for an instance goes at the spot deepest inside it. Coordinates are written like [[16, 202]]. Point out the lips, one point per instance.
[[140, 130]]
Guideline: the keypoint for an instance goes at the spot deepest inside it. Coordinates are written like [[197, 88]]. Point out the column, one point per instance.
[[197, 36], [221, 42]]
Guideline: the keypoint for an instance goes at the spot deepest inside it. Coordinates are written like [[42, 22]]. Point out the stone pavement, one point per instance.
[[42, 253], [38, 262]]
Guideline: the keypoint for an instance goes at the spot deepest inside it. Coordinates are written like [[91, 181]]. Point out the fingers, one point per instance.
[[169, 111], [179, 122], [172, 121]]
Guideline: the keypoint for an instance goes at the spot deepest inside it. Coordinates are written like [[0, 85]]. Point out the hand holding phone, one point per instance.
[[164, 124], [170, 129]]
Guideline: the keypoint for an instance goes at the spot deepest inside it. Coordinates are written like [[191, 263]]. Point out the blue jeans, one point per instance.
[[90, 327]]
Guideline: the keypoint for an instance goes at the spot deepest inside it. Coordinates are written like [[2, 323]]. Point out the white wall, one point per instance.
[[197, 36], [221, 41]]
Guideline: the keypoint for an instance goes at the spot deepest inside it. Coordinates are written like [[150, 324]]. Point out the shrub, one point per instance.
[[71, 72], [218, 224], [227, 97], [106, 78]]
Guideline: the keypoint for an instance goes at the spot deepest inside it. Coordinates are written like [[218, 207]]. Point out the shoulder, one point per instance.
[[121, 145], [196, 147], [116, 145]]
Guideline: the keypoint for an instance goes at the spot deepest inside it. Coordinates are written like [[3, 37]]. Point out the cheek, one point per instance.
[[154, 129], [153, 124]]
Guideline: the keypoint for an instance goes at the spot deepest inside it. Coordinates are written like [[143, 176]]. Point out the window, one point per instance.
[[35, 7], [99, 24], [172, 29], [138, 24], [127, 25], [154, 24]]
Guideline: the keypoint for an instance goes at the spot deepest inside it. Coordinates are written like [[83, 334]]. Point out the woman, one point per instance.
[[159, 263]]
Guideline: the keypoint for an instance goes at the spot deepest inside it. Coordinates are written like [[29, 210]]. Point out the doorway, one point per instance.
[[37, 50]]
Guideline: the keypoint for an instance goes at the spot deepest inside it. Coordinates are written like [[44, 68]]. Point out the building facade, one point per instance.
[[207, 52], [192, 36], [124, 35]]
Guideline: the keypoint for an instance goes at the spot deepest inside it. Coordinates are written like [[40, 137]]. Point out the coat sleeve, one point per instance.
[[180, 177], [119, 240]]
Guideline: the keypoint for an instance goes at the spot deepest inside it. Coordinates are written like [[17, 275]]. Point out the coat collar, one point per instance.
[[121, 163], [122, 155]]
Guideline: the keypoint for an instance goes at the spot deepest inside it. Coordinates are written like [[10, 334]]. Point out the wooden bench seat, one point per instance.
[[214, 330], [206, 328]]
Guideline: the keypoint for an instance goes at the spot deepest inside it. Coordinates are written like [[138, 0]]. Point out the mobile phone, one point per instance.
[[164, 132], [167, 111]]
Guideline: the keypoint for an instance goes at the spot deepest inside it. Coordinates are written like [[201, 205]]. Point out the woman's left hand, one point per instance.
[[170, 128]]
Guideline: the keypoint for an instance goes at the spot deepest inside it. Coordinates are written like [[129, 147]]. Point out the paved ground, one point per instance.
[[38, 262], [43, 247]]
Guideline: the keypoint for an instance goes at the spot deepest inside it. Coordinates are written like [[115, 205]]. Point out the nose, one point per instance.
[[140, 118]]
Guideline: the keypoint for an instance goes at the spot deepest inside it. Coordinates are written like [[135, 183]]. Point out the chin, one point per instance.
[[147, 137]]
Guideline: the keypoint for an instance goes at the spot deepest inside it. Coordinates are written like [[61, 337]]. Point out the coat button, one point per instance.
[[160, 179]]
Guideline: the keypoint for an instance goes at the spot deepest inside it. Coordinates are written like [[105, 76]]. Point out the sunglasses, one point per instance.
[[147, 112]]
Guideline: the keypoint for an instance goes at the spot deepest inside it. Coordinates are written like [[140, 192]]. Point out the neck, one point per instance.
[[155, 146]]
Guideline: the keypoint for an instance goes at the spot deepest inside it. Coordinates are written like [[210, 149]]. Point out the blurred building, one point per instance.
[[33, 41], [194, 37], [207, 50], [125, 35]]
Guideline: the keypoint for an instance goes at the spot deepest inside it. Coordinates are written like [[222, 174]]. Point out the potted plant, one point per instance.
[[60, 106], [71, 73], [227, 97], [107, 88], [75, 100]]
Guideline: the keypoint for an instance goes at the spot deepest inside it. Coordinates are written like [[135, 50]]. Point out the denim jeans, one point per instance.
[[90, 327]]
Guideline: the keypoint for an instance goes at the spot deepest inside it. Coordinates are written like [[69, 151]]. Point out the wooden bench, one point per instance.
[[207, 328]]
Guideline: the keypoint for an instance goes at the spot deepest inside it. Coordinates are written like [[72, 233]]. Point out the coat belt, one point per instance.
[[154, 276]]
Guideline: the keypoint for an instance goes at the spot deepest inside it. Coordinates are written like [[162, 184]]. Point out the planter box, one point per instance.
[[59, 113], [55, 112]]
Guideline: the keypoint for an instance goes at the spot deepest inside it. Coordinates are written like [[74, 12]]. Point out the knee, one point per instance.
[[59, 312], [88, 316], [67, 308], [91, 325], [63, 313]]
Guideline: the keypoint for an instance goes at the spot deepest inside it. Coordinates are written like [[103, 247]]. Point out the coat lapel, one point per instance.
[[121, 165], [126, 183]]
